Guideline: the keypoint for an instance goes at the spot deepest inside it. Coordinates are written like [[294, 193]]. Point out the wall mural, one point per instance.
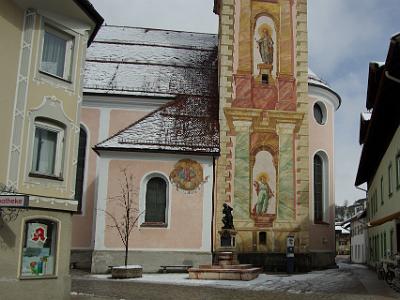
[[187, 175]]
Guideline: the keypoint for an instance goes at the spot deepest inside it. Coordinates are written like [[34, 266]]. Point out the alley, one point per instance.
[[349, 281]]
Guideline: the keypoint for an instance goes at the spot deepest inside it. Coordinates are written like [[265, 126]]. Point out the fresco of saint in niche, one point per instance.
[[264, 194], [265, 44], [264, 185]]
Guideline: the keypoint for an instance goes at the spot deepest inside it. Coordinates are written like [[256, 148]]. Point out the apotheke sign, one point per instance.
[[13, 201]]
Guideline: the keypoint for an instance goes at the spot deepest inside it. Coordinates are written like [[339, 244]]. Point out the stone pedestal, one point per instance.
[[226, 265], [124, 272]]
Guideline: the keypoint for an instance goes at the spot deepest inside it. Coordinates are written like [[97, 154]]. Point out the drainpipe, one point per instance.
[[395, 79]]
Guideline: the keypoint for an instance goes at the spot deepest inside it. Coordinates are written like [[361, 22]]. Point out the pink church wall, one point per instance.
[[185, 218], [82, 225], [321, 139], [120, 119], [82, 237]]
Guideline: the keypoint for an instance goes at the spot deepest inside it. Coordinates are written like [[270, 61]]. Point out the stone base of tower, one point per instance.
[[276, 262]]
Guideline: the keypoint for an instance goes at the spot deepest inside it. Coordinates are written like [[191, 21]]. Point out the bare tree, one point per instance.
[[125, 221]]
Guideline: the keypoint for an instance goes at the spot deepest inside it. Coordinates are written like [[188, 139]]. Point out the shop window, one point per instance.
[[47, 148], [57, 53], [156, 202], [39, 248], [80, 168]]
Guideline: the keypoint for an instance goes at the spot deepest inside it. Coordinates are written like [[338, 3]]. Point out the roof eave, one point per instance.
[[93, 14]]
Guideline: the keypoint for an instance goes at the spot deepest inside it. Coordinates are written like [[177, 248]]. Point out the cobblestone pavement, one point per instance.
[[349, 281]]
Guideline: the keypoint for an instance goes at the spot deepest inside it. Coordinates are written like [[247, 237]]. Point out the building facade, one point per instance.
[[359, 238], [240, 111], [43, 52], [155, 116], [379, 165]]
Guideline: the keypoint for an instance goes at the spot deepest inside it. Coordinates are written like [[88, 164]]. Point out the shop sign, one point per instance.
[[13, 201]]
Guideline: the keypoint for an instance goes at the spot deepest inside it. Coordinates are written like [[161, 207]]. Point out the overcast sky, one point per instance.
[[344, 36]]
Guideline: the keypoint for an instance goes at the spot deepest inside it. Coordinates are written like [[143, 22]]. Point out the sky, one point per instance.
[[344, 36]]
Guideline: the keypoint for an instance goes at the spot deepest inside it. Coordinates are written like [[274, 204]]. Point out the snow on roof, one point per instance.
[[188, 124], [342, 230], [314, 79], [379, 63], [140, 61]]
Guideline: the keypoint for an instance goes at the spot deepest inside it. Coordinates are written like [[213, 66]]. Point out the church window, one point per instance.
[[80, 168], [319, 113], [262, 238], [320, 187], [156, 202]]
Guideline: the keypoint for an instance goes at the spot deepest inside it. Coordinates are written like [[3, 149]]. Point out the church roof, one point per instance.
[[315, 80], [159, 63], [150, 62], [187, 124]]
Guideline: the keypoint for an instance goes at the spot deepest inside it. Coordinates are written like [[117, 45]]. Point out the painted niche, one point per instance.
[[263, 200], [265, 49], [187, 175]]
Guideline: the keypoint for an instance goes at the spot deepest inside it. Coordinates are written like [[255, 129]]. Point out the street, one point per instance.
[[349, 281]]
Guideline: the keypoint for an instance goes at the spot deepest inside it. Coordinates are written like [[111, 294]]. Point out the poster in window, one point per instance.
[[38, 258]]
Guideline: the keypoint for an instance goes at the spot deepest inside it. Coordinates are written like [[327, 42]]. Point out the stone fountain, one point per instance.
[[226, 265]]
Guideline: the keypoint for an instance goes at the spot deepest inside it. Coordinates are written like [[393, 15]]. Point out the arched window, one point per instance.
[[156, 202], [320, 187], [80, 168]]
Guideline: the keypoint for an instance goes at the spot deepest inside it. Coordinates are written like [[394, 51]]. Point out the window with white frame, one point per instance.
[[39, 248], [57, 53], [47, 152]]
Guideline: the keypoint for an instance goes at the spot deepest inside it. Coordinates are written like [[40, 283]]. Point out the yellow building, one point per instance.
[[379, 165], [42, 50]]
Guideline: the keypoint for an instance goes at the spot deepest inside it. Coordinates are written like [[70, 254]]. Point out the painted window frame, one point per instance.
[[143, 199], [53, 126], [54, 247]]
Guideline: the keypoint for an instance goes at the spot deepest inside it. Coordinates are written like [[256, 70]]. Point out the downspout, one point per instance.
[[395, 79]]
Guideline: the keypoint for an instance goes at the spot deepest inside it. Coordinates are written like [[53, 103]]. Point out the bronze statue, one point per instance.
[[227, 218]]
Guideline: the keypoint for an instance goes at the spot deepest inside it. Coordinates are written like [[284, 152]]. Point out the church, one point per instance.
[[190, 122]]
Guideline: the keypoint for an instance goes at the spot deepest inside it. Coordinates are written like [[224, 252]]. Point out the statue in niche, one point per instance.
[[227, 219], [264, 194], [266, 45]]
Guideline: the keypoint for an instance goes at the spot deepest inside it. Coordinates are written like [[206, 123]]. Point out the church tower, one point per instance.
[[263, 171]]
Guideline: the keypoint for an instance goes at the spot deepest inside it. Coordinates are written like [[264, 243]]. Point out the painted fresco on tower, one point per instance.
[[264, 50], [263, 204]]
